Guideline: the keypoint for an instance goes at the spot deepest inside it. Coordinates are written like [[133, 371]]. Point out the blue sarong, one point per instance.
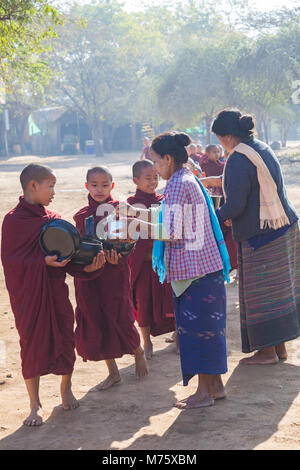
[[200, 314]]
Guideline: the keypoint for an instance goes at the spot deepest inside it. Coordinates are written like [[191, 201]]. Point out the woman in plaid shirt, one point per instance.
[[193, 266]]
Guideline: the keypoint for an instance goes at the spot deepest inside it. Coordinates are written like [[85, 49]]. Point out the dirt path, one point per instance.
[[262, 410]]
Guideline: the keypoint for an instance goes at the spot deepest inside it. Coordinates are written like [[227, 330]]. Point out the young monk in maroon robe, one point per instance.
[[104, 314], [38, 293], [153, 301]]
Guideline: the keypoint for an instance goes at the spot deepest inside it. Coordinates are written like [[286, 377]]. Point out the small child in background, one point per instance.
[[146, 148], [104, 314], [211, 164], [153, 301]]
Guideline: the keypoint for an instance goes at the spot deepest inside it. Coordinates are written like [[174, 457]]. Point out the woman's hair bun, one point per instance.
[[247, 122], [182, 139]]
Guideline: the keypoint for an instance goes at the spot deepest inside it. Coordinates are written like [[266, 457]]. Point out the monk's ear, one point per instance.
[[112, 185], [32, 185], [86, 185], [135, 180]]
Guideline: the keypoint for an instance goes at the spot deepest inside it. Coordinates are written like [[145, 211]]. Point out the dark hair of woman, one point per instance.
[[233, 122], [173, 144]]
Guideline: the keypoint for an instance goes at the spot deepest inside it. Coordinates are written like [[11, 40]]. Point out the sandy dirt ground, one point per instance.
[[262, 410]]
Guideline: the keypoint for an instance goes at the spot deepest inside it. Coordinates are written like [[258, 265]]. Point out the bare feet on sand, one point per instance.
[[263, 357], [281, 351], [69, 402], [141, 366], [35, 417], [217, 389], [111, 380], [171, 339], [195, 401], [148, 348], [210, 388]]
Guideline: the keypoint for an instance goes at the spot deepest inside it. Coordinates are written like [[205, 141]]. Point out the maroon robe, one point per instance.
[[38, 293], [211, 168], [152, 300], [104, 313], [231, 246]]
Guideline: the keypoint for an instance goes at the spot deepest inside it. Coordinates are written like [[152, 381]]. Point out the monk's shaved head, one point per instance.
[[139, 166], [35, 172], [98, 170]]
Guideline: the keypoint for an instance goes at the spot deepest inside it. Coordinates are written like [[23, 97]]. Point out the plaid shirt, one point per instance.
[[192, 250]]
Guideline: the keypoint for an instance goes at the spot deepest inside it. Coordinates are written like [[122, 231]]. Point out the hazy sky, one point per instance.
[[261, 5], [132, 5]]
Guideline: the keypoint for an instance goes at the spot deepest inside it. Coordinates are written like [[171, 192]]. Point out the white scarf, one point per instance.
[[272, 214]]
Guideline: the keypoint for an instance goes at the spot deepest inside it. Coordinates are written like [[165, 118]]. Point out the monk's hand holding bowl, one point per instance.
[[97, 263], [52, 261], [112, 256]]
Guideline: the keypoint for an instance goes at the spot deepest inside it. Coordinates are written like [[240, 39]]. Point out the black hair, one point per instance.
[[139, 166], [98, 169], [35, 172], [233, 122], [173, 144]]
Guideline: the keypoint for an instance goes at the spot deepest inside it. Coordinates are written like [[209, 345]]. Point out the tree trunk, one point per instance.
[[283, 135], [259, 129], [266, 131], [97, 133], [133, 136], [21, 130], [110, 133], [208, 121]]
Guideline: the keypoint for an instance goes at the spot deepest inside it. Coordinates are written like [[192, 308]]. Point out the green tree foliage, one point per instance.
[[25, 24], [170, 62], [103, 67]]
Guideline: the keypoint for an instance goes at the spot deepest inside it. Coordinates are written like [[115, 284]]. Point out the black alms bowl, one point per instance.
[[122, 247], [59, 237], [88, 249]]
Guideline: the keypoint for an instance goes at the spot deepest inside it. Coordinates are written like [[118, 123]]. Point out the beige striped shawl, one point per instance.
[[272, 214]]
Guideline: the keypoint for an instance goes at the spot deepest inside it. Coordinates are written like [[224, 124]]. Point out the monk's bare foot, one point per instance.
[[111, 380], [281, 351], [35, 417], [195, 401], [263, 357], [148, 348], [141, 366], [171, 339], [69, 402]]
